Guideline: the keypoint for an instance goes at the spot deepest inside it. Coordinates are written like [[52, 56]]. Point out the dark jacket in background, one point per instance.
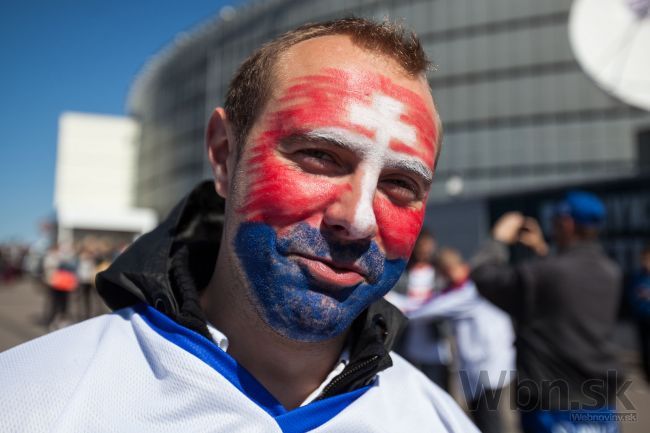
[[565, 309]]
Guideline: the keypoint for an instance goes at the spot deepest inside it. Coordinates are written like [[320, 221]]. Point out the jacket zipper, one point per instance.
[[346, 374]]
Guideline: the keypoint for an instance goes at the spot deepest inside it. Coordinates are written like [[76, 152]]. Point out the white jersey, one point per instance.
[[136, 370], [484, 336]]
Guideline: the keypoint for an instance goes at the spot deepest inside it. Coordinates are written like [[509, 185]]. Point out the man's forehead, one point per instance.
[[363, 103], [338, 51]]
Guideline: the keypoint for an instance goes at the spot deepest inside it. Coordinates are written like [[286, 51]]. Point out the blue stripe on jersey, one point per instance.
[[299, 420], [306, 418]]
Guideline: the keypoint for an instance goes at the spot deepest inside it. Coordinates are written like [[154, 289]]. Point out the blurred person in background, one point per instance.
[[420, 272], [12, 258], [34, 257], [639, 297], [86, 272], [425, 344], [483, 334], [565, 308], [61, 279], [49, 265]]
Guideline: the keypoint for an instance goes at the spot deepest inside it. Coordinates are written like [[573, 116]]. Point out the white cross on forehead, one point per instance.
[[383, 117]]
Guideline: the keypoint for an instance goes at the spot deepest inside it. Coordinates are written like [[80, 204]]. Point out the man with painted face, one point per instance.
[[264, 312]]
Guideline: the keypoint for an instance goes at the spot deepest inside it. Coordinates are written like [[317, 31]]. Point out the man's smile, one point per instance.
[[329, 272]]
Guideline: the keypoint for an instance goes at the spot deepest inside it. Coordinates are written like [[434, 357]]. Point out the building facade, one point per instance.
[[95, 174], [518, 112]]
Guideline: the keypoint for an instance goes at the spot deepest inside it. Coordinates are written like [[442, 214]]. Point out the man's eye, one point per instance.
[[400, 191], [317, 161], [317, 154]]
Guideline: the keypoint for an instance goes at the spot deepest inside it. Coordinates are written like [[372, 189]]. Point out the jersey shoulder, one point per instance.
[[415, 397], [41, 375]]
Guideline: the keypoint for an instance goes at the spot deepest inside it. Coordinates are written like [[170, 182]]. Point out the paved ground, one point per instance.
[[22, 309], [22, 306]]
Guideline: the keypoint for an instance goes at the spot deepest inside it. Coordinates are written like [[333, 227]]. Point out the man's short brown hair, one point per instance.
[[250, 88]]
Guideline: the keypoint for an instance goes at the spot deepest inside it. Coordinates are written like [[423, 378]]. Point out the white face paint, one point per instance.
[[383, 117]]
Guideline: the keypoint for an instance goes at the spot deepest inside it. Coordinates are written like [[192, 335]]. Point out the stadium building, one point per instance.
[[521, 118]]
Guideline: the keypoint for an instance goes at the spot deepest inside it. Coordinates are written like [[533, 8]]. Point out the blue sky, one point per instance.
[[69, 55]]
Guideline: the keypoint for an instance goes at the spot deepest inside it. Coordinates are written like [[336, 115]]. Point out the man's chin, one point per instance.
[[321, 320]]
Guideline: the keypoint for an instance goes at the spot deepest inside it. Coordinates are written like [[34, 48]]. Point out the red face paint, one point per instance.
[[398, 226], [281, 194]]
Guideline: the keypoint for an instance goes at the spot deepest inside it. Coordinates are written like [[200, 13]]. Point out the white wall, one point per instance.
[[95, 176], [95, 165]]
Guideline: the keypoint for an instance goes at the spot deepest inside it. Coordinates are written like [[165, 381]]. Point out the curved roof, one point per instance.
[[193, 37]]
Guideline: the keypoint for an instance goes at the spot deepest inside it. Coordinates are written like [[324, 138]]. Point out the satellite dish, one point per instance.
[[611, 40]]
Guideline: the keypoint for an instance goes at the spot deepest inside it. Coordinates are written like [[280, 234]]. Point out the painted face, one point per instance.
[[333, 190]]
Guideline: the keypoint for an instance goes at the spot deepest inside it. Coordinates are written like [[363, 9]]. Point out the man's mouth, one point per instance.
[[331, 273]]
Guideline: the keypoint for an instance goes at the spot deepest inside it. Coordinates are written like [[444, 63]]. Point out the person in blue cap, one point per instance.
[[564, 307], [579, 217]]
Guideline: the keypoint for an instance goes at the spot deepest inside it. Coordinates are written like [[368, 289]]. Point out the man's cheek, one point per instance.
[[281, 194], [398, 227]]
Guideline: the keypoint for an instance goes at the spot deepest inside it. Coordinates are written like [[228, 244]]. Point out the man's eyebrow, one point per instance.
[[351, 142], [415, 167]]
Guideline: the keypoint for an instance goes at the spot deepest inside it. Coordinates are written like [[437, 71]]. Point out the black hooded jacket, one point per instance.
[[168, 267]]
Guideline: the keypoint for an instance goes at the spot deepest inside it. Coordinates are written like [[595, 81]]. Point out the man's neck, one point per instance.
[[290, 370]]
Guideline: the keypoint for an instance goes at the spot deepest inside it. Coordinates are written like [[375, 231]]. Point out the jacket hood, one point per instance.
[[168, 267]]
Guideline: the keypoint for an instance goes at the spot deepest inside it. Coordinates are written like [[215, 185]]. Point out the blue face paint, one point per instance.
[[287, 296]]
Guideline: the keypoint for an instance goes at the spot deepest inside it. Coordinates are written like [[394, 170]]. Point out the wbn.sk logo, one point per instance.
[[555, 394]]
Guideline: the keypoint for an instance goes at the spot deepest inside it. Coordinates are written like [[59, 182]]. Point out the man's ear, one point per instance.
[[221, 149]]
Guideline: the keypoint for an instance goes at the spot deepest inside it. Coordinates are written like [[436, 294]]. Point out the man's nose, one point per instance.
[[351, 216]]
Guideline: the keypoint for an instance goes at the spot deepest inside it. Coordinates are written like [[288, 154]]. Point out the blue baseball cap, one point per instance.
[[583, 207]]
